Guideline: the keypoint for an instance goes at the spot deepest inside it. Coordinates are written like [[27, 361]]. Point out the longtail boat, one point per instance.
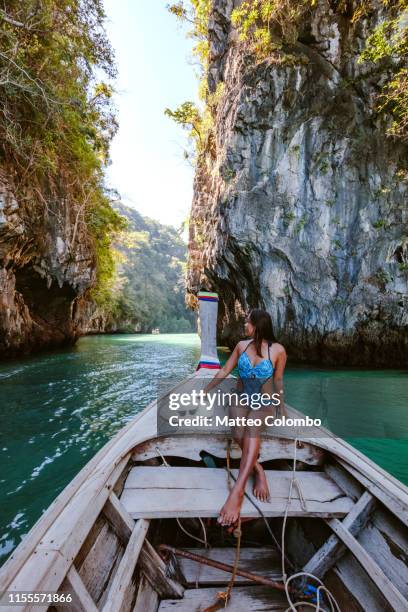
[[136, 529]]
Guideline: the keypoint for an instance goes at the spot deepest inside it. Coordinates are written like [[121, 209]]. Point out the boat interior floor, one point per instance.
[[156, 544], [185, 492], [243, 599], [204, 583]]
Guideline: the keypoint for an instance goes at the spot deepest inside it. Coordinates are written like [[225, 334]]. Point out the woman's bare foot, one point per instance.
[[261, 489], [229, 513]]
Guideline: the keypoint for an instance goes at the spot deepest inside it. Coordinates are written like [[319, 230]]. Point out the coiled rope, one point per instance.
[[286, 580], [224, 596]]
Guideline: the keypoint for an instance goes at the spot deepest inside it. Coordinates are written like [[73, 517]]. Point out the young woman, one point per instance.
[[260, 360]]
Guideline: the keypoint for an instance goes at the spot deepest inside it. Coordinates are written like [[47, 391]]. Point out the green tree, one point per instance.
[[270, 28], [57, 118], [151, 283], [387, 45]]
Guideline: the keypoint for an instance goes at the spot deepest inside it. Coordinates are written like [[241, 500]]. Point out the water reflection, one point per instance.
[[58, 409]]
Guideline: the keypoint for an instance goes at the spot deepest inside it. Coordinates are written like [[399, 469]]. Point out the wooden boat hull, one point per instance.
[[92, 539]]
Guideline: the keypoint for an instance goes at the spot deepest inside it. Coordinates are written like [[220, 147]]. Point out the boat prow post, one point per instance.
[[208, 312]]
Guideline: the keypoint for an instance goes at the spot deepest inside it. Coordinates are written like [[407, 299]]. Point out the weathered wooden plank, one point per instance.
[[351, 586], [82, 601], [345, 481], [68, 535], [263, 561], [392, 595], [99, 474], [359, 514], [46, 571], [333, 548], [397, 505], [169, 492], [395, 493], [244, 599], [147, 599], [104, 465], [387, 556], [153, 567], [357, 587], [114, 568], [314, 485], [118, 486], [349, 457], [123, 576], [38, 575], [70, 517], [90, 541], [99, 469], [97, 566], [190, 447], [393, 531], [120, 520]]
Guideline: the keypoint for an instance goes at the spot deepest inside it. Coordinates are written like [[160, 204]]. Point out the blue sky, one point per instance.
[[155, 71]]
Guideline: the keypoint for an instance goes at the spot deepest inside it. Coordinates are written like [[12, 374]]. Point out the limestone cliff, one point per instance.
[[46, 262], [300, 202]]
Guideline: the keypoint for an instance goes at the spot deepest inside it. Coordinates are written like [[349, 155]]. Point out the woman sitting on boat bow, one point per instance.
[[260, 361]]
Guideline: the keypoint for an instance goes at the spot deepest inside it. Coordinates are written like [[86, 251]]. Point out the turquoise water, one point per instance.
[[58, 409], [368, 408]]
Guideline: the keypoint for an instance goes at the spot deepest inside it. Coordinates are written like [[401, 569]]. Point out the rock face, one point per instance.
[[46, 263], [300, 205]]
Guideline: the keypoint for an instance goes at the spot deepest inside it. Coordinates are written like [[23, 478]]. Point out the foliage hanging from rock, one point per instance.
[[56, 118]]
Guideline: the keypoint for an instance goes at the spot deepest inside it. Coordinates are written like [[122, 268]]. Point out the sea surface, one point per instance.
[[58, 409]]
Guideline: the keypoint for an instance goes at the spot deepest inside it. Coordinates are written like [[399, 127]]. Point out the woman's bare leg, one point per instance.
[[229, 513], [260, 489]]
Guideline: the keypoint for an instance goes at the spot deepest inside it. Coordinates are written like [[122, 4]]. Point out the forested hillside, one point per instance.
[[149, 289]]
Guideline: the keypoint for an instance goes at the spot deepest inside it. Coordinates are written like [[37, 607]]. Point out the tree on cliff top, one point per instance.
[[56, 119], [269, 28]]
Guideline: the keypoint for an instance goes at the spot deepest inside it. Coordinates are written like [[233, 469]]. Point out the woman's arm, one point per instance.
[[278, 381], [227, 369]]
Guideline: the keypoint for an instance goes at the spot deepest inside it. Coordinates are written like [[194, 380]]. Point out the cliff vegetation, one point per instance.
[[56, 123], [148, 291]]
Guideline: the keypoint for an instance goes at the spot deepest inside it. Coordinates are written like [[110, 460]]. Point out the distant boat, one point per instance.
[[156, 330], [118, 538]]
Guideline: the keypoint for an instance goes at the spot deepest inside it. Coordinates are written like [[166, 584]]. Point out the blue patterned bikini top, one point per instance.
[[254, 377]]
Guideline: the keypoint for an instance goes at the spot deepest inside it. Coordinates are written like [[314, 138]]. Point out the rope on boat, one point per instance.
[[186, 554], [223, 597], [286, 580], [190, 535], [237, 534], [268, 527]]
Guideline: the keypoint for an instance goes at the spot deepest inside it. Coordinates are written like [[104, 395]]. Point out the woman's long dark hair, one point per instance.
[[262, 322]]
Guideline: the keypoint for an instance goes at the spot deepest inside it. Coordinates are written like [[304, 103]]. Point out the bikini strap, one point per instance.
[[269, 352], [244, 351]]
